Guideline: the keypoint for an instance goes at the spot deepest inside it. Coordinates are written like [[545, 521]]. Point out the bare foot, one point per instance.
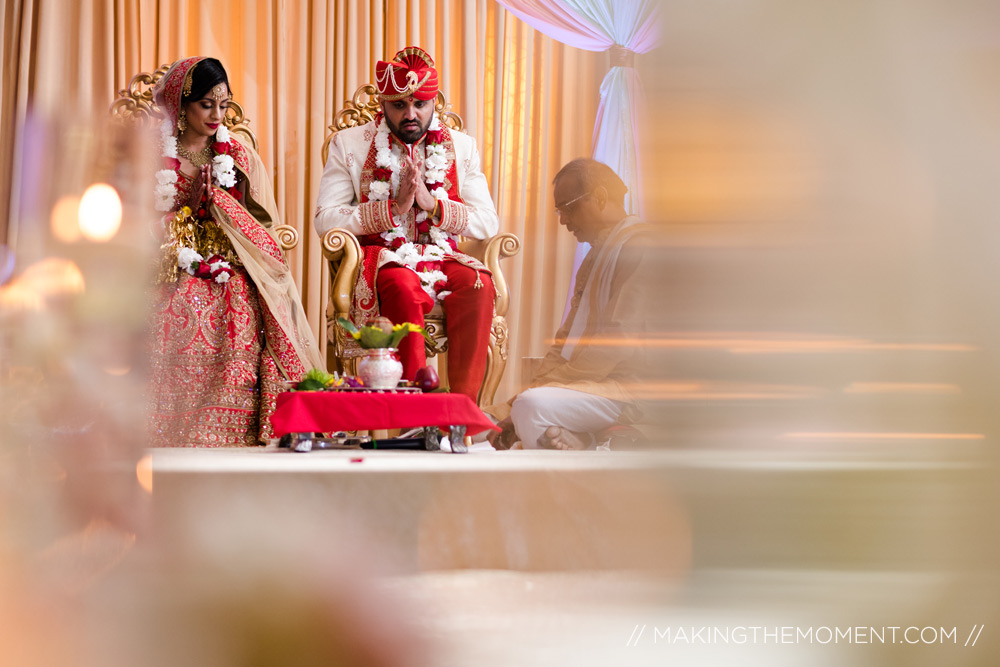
[[556, 437]]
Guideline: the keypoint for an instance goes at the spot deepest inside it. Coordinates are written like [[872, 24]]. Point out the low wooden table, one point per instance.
[[330, 411]]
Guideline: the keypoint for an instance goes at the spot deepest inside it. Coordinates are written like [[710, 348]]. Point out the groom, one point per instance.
[[408, 187]]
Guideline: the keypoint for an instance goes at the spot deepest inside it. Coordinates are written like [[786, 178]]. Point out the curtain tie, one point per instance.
[[621, 56]]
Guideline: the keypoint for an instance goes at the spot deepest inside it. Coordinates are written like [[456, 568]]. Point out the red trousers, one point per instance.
[[467, 310]]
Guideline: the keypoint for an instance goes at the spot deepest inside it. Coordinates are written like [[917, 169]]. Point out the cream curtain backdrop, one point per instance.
[[530, 101]]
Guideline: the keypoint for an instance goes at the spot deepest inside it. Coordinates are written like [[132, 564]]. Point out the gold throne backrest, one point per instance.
[[364, 106], [135, 104]]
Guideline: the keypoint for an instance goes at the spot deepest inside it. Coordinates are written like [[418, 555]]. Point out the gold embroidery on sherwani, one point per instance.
[[375, 216], [454, 217]]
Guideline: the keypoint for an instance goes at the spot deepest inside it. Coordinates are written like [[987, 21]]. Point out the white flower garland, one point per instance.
[[189, 259], [186, 257], [224, 170], [411, 254], [165, 191], [223, 167]]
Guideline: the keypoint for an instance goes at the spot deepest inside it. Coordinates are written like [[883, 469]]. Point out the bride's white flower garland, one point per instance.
[[223, 167], [224, 176], [165, 191], [421, 258]]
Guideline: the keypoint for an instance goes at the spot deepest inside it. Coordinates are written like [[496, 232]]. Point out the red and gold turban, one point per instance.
[[411, 72]]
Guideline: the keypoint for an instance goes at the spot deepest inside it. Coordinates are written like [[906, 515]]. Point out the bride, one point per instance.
[[228, 329]]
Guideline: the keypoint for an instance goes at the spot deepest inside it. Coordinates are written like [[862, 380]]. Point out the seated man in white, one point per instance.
[[584, 383]]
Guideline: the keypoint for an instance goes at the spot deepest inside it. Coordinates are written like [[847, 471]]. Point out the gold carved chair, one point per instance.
[[135, 105], [343, 255]]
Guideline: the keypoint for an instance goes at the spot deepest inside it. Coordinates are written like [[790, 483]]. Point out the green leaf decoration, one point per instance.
[[400, 333], [397, 336], [348, 325], [374, 337], [310, 385], [319, 375]]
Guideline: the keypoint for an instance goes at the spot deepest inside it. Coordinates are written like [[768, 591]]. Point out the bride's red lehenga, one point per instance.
[[221, 352], [205, 368]]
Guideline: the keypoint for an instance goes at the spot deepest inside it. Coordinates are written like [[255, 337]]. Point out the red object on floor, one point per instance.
[[328, 411]]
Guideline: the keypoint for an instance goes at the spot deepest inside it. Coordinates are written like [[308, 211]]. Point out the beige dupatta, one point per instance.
[[269, 273]]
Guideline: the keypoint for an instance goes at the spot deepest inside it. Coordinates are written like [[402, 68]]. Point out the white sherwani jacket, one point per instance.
[[347, 178], [339, 204]]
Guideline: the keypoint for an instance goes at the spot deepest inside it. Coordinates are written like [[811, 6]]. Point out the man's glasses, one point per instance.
[[564, 208]]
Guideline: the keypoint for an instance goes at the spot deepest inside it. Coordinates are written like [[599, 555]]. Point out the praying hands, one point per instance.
[[412, 188]]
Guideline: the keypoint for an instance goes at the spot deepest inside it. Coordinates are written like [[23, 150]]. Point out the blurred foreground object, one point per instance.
[[72, 316]]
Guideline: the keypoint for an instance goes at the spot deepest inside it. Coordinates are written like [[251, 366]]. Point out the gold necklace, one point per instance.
[[201, 158]]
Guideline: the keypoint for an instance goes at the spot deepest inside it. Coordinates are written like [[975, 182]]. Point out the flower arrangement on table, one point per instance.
[[381, 333], [379, 336], [317, 379], [380, 369]]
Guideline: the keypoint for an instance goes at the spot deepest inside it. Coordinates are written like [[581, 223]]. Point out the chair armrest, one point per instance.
[[343, 255], [490, 252], [288, 236]]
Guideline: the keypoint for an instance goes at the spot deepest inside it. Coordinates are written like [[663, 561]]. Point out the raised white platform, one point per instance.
[[665, 512]]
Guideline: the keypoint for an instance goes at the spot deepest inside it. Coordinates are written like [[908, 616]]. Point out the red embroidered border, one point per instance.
[[247, 225], [239, 154]]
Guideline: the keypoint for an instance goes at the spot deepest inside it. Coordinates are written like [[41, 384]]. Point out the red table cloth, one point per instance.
[[328, 411]]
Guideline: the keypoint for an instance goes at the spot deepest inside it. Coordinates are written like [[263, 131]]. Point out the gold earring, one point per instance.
[[182, 122]]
